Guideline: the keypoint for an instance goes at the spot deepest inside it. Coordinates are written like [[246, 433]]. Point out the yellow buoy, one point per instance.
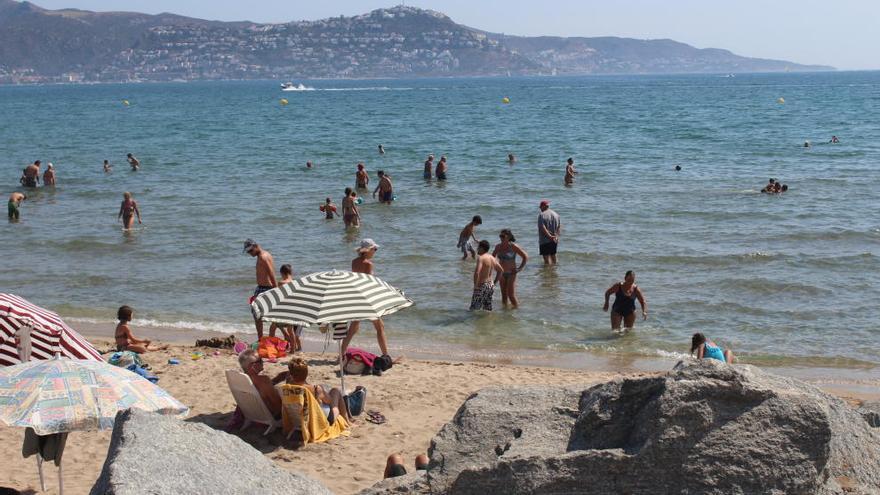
[[284, 101], [505, 100], [125, 102], [780, 101]]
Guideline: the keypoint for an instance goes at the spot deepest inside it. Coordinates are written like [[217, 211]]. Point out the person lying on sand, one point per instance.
[[252, 365], [125, 340], [707, 349], [394, 465]]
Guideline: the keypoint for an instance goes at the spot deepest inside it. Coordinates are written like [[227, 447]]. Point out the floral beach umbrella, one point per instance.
[[63, 395]]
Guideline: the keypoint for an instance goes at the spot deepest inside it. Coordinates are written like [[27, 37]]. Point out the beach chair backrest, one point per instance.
[[247, 397]]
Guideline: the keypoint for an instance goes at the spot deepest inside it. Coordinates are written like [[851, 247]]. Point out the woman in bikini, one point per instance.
[[125, 340], [624, 307], [128, 210], [506, 252]]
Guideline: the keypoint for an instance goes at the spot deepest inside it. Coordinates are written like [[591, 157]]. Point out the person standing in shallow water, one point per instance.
[[134, 162], [484, 283], [127, 211], [506, 252], [429, 167], [441, 169], [364, 264], [361, 178], [624, 308], [549, 229], [570, 172], [49, 176], [14, 205]]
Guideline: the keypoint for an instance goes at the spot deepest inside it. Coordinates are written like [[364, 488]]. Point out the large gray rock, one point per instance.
[[705, 427], [162, 455], [871, 412], [412, 483]]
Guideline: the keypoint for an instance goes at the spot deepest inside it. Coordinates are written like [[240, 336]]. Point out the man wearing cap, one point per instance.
[[364, 264], [265, 275], [549, 228]]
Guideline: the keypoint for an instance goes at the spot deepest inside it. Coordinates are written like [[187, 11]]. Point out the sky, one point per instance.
[[843, 33]]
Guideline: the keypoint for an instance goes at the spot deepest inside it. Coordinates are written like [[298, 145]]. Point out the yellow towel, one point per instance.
[[313, 424]]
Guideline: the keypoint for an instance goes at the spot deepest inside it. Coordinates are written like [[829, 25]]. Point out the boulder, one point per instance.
[[705, 427], [871, 412], [162, 455], [412, 483]]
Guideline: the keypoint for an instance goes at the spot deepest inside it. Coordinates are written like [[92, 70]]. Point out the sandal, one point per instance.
[[376, 418]]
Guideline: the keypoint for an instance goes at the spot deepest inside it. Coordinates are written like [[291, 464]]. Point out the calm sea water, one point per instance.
[[781, 279]]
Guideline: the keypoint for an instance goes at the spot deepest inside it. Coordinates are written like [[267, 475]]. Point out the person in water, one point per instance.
[[442, 168], [381, 150], [308, 164], [30, 176], [570, 172], [511, 159], [624, 308], [364, 264], [134, 162], [265, 276], [385, 188], [506, 251], [806, 144], [429, 167], [329, 209], [678, 168], [834, 139], [14, 205], [127, 211], [49, 176], [361, 177], [549, 230], [291, 333], [484, 281], [351, 216], [706, 349], [465, 237], [107, 167], [125, 340]]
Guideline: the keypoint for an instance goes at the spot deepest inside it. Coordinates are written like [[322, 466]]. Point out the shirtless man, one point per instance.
[[484, 284], [30, 176], [351, 216], [49, 176], [385, 188], [265, 275], [134, 162], [570, 172], [442, 168], [364, 264], [429, 167], [361, 178], [15, 200], [252, 365]]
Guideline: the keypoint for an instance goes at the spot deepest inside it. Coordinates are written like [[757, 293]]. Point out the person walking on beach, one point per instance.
[[624, 308], [127, 211], [570, 172], [385, 188], [351, 216], [107, 167], [30, 176], [707, 349], [465, 237], [484, 283], [49, 176], [364, 264], [549, 228], [14, 204], [429, 167], [134, 162], [361, 178], [506, 252], [442, 168], [265, 276]]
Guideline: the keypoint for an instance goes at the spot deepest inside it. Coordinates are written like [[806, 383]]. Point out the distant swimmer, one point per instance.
[[678, 168], [361, 177], [511, 159], [570, 172], [14, 204], [107, 167], [134, 162], [466, 236], [30, 176], [308, 164], [624, 308], [128, 210], [834, 139], [806, 144], [49, 176], [429, 167], [329, 209], [442, 168], [381, 150], [385, 188]]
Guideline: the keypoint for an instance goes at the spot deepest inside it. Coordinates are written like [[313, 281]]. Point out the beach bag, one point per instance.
[[358, 361], [381, 364], [356, 401], [124, 359], [272, 348]]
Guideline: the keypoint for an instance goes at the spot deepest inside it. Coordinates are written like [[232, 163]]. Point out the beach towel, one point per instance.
[[272, 348], [124, 359], [355, 354], [298, 401]]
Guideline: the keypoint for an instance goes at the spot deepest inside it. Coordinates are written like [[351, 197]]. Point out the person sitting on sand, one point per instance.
[[134, 162], [624, 308], [466, 236], [291, 333], [329, 209], [570, 172], [705, 348], [14, 204], [107, 167], [49, 176], [127, 211], [252, 365], [394, 465], [125, 340]]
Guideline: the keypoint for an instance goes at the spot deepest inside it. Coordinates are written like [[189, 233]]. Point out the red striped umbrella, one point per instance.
[[48, 335]]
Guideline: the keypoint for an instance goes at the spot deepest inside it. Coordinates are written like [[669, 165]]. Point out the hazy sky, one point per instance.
[[842, 33]]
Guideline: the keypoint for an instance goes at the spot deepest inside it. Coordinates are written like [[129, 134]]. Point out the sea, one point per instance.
[[789, 280]]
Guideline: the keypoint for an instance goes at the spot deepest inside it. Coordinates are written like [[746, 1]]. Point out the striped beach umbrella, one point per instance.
[[329, 297], [28, 332]]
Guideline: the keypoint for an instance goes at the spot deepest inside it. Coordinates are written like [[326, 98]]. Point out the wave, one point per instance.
[[204, 326]]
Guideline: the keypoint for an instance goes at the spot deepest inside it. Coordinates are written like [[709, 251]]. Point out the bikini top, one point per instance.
[[509, 255]]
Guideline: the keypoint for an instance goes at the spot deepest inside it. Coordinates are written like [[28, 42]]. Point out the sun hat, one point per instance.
[[367, 245], [248, 244]]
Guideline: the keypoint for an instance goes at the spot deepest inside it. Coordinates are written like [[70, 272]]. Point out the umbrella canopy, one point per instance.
[[329, 297], [62, 395], [40, 330]]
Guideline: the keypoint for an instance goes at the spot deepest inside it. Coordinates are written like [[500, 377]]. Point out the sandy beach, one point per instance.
[[417, 396]]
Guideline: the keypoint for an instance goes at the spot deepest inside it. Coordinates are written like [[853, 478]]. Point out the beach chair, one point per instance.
[[248, 399]]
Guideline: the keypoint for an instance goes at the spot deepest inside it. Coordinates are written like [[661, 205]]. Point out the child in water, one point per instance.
[[329, 209], [705, 348]]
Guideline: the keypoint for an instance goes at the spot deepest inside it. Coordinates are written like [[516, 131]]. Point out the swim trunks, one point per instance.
[[427, 175], [548, 248], [29, 181], [13, 210], [387, 196], [465, 244], [259, 290], [441, 175], [482, 297], [361, 185]]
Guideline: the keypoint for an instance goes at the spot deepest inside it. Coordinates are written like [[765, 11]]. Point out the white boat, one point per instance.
[[289, 86]]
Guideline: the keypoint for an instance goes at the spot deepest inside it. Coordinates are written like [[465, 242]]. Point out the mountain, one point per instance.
[[40, 45]]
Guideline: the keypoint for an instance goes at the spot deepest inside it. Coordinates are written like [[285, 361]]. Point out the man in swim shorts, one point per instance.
[[15, 200], [265, 275], [549, 228], [30, 176], [385, 188], [441, 169], [484, 284]]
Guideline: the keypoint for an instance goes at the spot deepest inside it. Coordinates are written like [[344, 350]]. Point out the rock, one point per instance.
[[871, 412], [413, 483], [162, 455], [705, 427]]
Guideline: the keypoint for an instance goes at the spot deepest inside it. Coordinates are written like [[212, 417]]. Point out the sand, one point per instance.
[[416, 396]]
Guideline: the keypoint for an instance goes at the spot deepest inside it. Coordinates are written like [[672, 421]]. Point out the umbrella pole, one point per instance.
[[60, 480], [40, 470], [341, 370]]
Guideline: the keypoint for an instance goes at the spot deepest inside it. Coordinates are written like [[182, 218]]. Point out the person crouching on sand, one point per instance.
[[706, 349], [125, 340]]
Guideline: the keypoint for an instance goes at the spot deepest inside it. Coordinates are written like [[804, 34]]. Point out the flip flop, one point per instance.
[[376, 418]]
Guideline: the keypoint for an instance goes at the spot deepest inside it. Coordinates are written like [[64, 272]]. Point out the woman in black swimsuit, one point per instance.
[[624, 307]]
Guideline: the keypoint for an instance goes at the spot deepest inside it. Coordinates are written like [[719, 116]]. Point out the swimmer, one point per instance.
[[308, 164], [329, 209], [806, 144], [134, 162], [506, 251], [442, 168], [127, 211], [429, 165], [678, 168], [834, 139], [49, 176], [624, 308], [107, 167], [15, 200], [385, 188], [381, 150], [465, 237], [570, 172], [361, 177], [30, 176], [706, 349], [511, 159]]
